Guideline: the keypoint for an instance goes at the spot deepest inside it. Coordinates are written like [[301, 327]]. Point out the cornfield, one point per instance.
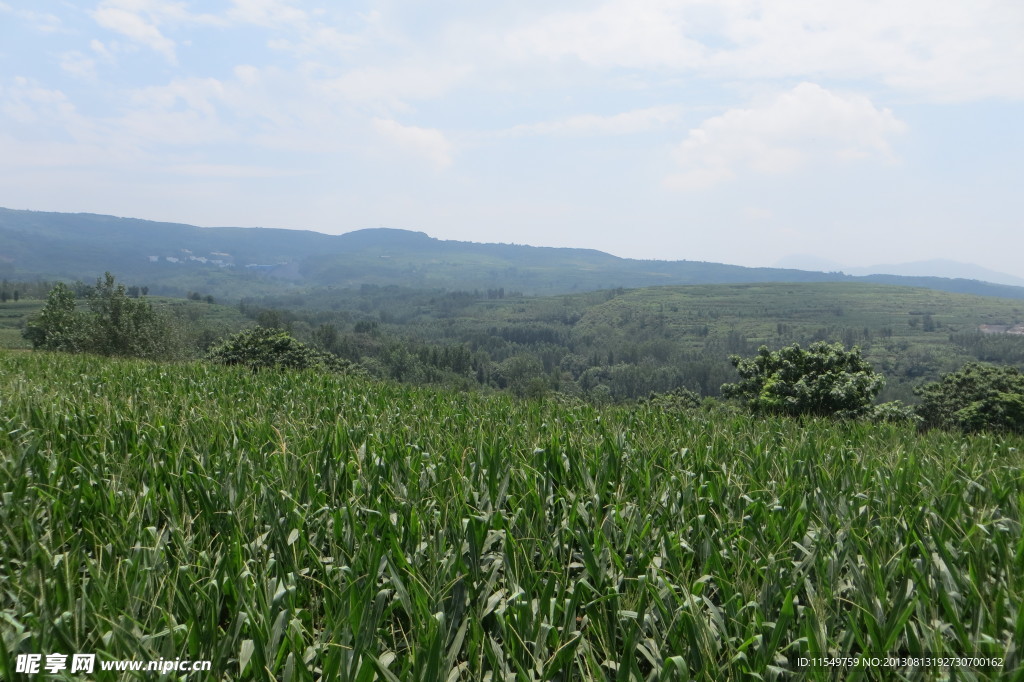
[[304, 526]]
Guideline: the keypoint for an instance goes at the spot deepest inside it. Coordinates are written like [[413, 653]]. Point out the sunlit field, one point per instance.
[[302, 526]]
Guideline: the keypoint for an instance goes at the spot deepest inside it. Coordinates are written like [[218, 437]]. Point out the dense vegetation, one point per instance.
[[608, 346], [976, 398], [297, 525], [114, 323], [184, 328], [619, 345], [824, 380], [267, 348]]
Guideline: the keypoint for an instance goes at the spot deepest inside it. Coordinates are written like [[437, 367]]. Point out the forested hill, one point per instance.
[[231, 261]]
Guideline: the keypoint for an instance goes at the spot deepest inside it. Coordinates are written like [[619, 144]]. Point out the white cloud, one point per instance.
[[27, 102], [628, 33], [140, 21], [134, 27], [247, 74], [272, 13], [182, 113], [628, 122], [946, 49], [949, 50], [428, 143], [78, 65], [308, 34], [229, 171], [318, 38], [806, 125], [391, 86], [198, 94], [101, 50], [41, 21]]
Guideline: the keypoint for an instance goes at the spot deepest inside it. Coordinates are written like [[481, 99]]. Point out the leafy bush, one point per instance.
[[895, 412], [978, 397], [263, 347], [824, 380], [680, 399]]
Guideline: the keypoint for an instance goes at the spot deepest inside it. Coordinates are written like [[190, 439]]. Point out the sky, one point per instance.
[[735, 131]]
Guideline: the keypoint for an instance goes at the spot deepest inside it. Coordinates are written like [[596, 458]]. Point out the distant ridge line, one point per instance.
[[175, 256]]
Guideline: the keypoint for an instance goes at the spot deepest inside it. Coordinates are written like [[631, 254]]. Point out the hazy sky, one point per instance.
[[738, 131]]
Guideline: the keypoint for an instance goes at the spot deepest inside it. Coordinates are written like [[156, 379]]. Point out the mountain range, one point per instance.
[[233, 261], [936, 267]]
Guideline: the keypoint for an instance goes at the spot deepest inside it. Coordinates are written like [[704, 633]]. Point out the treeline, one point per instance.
[[999, 348], [15, 291], [40, 289]]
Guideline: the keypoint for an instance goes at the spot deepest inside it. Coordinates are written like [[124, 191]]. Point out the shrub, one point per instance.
[[978, 397], [894, 412], [263, 347], [824, 380], [680, 399]]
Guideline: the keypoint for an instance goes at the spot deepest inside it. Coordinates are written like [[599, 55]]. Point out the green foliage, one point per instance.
[[522, 374], [894, 412], [113, 324], [314, 526], [679, 399], [265, 348], [121, 325], [654, 340], [824, 380], [58, 326], [978, 397]]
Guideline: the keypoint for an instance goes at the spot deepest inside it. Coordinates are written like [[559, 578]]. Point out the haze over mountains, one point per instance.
[[232, 261], [936, 267]]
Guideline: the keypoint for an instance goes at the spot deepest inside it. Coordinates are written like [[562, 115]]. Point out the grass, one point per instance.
[[12, 317], [298, 526]]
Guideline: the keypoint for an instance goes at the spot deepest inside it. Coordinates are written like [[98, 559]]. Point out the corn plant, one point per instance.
[[307, 526]]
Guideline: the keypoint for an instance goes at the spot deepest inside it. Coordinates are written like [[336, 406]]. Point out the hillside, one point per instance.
[[623, 344], [233, 262]]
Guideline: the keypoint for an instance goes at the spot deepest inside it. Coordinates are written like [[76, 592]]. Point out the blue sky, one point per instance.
[[739, 131]]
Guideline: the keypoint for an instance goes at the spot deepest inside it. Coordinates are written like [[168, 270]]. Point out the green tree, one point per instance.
[[265, 348], [122, 325], [679, 399], [59, 326], [978, 397], [517, 374], [824, 380]]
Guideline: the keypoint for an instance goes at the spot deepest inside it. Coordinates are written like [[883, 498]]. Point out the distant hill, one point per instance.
[[940, 268], [231, 262], [937, 267]]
